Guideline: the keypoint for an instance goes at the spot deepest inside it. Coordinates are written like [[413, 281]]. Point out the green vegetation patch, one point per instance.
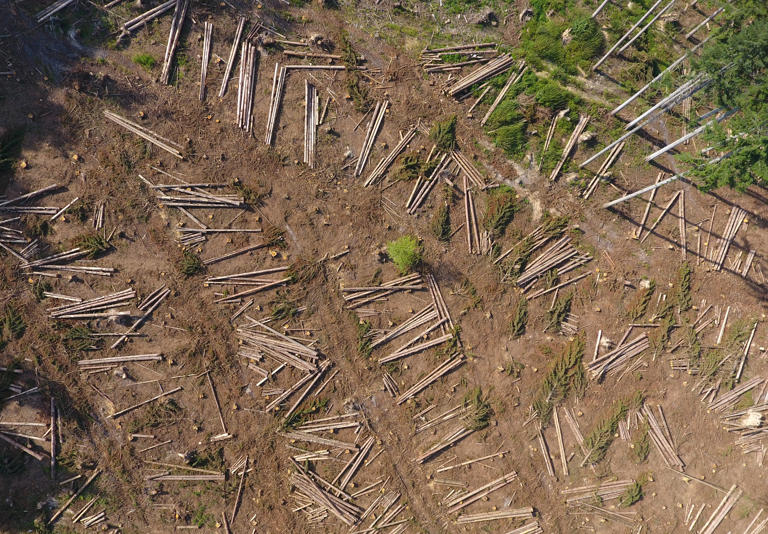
[[443, 133], [405, 252], [147, 61], [565, 377]]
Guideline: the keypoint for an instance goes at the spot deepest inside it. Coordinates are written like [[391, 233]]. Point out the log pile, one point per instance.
[[569, 146], [604, 492], [146, 134], [469, 169], [374, 126], [424, 186], [276, 99], [474, 244], [92, 308], [206, 57], [618, 357], [729, 233], [602, 172], [662, 439], [179, 15], [461, 500], [51, 10], [311, 119], [496, 66], [232, 55], [435, 60], [377, 174], [253, 279], [562, 255], [246, 85]]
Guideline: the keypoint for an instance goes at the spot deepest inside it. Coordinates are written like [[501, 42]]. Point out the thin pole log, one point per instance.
[[61, 510], [142, 403], [648, 208], [208, 32], [634, 26], [232, 54]]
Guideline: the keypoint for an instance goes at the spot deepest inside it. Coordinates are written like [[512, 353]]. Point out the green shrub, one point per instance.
[[94, 244], [364, 339], [683, 287], [500, 209], [12, 325], [559, 312], [190, 264], [639, 304], [549, 94], [39, 288], [283, 308], [641, 446], [551, 156], [145, 60], [10, 149], [478, 409], [441, 225], [565, 377], [511, 139], [519, 317], [405, 253], [408, 168], [506, 113], [80, 338], [443, 133], [601, 437], [633, 494], [357, 91], [588, 41]]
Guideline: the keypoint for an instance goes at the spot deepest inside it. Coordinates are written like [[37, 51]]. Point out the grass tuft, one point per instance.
[[147, 61]]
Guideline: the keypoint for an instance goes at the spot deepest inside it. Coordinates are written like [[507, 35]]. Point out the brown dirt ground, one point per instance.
[[323, 211]]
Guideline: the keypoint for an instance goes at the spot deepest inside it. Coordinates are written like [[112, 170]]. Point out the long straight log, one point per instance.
[[173, 38], [621, 39], [142, 403], [694, 133], [232, 55], [208, 32], [642, 31], [513, 78], [658, 77], [61, 510], [703, 22]]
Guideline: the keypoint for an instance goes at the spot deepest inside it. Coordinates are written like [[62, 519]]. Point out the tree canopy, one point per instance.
[[737, 62]]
